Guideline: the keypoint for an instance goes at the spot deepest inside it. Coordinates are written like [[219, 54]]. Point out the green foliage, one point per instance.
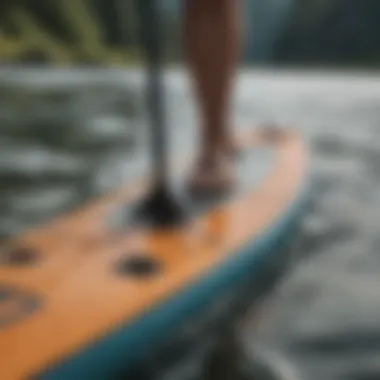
[[72, 32], [342, 32]]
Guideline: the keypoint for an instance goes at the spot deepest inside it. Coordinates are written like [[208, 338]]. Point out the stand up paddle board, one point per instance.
[[84, 299]]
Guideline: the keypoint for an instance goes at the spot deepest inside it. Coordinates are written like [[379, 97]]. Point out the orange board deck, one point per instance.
[[79, 299]]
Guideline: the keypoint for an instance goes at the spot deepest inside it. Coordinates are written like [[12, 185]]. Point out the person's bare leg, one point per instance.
[[212, 42]]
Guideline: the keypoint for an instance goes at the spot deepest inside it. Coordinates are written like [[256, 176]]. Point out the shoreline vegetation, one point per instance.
[[317, 34], [342, 33], [72, 32]]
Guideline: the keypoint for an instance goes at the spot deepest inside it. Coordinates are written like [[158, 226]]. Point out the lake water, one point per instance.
[[68, 136]]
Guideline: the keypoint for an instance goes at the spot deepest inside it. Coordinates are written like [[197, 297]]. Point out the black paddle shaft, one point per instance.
[[151, 32], [160, 208]]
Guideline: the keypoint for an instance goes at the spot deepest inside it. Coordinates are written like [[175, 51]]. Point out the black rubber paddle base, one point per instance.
[[160, 209]]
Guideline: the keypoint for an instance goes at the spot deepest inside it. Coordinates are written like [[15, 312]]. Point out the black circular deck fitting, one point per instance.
[[18, 256], [138, 266], [15, 305]]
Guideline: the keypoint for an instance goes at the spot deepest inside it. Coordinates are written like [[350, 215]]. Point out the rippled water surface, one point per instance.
[[66, 137]]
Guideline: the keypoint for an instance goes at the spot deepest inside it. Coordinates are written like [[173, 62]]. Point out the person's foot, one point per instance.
[[214, 173]]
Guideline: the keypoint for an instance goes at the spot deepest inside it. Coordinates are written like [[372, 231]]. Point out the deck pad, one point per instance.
[[97, 291]]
